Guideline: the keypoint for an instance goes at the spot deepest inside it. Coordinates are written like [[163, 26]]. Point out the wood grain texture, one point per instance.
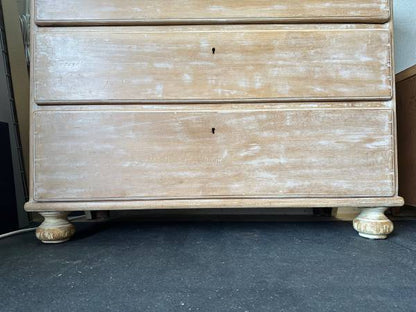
[[177, 64], [216, 203], [406, 115], [406, 74], [101, 155], [318, 131], [119, 12], [169, 107]]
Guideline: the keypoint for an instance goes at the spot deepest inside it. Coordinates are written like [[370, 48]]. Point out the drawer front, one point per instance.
[[116, 12], [108, 154], [179, 64]]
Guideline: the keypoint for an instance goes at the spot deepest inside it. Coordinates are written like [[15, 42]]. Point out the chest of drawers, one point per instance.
[[212, 104]]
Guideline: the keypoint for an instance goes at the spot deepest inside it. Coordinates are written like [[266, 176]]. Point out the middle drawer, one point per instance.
[[251, 63]]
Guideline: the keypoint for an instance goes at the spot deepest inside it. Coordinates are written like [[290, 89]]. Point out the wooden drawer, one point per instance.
[[206, 153], [252, 63], [126, 12]]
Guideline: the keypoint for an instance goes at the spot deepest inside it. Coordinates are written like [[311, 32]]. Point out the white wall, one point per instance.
[[405, 33]]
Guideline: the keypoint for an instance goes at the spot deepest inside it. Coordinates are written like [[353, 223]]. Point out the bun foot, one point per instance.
[[371, 223], [55, 228]]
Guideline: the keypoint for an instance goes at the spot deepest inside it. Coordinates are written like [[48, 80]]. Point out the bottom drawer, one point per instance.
[[85, 155]]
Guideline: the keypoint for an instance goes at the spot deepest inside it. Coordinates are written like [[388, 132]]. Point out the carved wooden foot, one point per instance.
[[55, 228], [373, 224]]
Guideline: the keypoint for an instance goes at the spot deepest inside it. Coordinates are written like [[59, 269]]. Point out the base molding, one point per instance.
[[370, 223], [214, 203]]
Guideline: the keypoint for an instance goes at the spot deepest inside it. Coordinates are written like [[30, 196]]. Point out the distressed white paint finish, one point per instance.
[[215, 203], [251, 63], [204, 107], [82, 155], [372, 223], [53, 12], [290, 146], [55, 228]]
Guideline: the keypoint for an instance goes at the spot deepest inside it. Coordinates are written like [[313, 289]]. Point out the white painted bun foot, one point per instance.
[[55, 228], [372, 223]]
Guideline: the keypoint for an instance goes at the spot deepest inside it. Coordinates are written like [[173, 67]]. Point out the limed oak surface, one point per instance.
[[85, 155], [113, 12], [212, 64], [232, 104]]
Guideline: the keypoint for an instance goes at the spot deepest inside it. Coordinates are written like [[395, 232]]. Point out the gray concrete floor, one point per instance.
[[211, 266]]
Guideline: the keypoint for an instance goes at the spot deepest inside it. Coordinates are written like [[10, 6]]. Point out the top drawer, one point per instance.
[[133, 12]]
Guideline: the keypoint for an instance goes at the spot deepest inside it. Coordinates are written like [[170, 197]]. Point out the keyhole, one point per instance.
[[213, 50], [213, 130]]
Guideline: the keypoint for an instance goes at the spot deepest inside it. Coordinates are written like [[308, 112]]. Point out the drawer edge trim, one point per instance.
[[207, 101], [381, 19]]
